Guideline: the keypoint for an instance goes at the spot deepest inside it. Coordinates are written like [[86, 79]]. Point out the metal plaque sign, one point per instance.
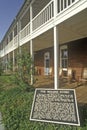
[[55, 106]]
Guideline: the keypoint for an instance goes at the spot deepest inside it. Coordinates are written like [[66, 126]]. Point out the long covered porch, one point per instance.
[[62, 50]]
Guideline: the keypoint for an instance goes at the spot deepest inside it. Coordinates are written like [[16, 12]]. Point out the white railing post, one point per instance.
[[31, 18], [60, 5], [55, 8], [66, 3], [51, 8]]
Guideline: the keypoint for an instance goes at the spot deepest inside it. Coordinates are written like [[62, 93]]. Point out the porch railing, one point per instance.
[[25, 31], [16, 39], [63, 4], [45, 15], [1, 52], [9, 47]]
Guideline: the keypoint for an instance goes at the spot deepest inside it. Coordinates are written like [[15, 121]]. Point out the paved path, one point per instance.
[[1, 125]]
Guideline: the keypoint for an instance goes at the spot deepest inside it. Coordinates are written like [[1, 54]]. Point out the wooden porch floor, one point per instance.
[[48, 82]]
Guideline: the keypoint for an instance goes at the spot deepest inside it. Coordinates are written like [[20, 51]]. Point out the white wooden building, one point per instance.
[[41, 24]]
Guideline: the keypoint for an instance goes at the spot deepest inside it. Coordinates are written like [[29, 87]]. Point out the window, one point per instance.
[[64, 57], [47, 63]]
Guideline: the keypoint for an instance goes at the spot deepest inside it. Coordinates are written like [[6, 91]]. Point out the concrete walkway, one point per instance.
[[1, 125]]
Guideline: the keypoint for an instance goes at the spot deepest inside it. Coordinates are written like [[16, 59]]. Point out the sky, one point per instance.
[[8, 11]]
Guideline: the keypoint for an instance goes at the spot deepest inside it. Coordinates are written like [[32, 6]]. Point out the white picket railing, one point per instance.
[[45, 15], [63, 4], [25, 31], [16, 39], [8, 47], [2, 52]]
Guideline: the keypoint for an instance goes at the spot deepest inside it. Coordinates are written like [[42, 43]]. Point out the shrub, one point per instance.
[[16, 108], [15, 105], [22, 75]]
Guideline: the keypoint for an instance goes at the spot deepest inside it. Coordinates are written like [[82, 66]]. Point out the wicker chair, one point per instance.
[[65, 75]]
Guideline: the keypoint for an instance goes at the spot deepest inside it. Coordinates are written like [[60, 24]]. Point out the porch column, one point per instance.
[[6, 62], [19, 36], [13, 53], [8, 56], [56, 44], [19, 47], [31, 43], [32, 56], [13, 62]]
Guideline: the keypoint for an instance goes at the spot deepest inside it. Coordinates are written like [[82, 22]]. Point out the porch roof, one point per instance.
[[72, 29]]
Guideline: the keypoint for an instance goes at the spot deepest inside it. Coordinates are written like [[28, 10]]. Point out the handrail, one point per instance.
[[64, 4], [42, 10], [25, 31], [43, 16], [15, 39]]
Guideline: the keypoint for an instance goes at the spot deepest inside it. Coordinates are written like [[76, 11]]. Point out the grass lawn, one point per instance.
[[15, 106]]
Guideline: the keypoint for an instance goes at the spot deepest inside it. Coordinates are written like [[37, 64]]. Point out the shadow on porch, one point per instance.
[[44, 82]]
